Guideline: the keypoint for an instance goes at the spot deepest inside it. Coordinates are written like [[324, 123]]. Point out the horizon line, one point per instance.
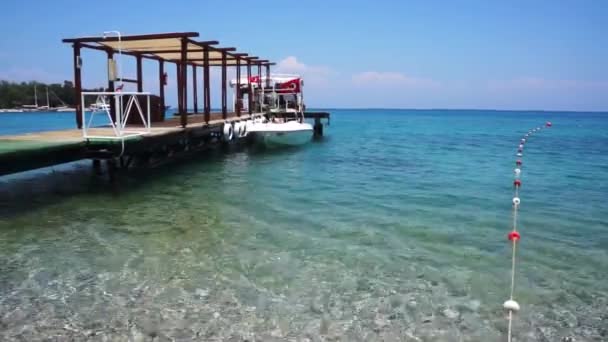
[[463, 109]]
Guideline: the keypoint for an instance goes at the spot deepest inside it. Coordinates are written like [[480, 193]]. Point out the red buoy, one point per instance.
[[518, 162], [517, 182], [514, 236], [548, 124], [520, 150]]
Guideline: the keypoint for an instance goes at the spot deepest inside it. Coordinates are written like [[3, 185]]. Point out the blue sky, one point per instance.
[[548, 55]]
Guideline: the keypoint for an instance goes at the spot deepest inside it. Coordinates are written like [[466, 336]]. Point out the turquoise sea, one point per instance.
[[391, 228]]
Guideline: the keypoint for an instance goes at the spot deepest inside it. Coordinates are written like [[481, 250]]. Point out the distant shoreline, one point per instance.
[[71, 110], [18, 110]]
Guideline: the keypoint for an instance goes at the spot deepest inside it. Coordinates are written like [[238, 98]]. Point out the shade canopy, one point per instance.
[[169, 47]]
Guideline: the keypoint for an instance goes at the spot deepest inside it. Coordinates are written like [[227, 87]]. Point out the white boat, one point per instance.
[[35, 107], [65, 109], [290, 133], [99, 107], [280, 98]]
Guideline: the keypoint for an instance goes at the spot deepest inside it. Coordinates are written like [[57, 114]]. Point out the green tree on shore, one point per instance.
[[15, 95]]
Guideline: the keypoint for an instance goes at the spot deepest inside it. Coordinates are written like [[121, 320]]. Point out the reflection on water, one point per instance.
[[357, 238]]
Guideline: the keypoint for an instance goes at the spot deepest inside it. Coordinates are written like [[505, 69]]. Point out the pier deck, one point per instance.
[[29, 151]]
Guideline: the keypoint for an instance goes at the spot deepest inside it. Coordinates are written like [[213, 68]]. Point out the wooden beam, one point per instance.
[[78, 85], [209, 42], [214, 59], [182, 35], [126, 80]]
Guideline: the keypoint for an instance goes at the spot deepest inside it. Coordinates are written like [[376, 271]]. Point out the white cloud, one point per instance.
[[316, 75], [392, 79], [291, 64]]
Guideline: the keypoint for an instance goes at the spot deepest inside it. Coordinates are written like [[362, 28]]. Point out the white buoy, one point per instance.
[[517, 172], [519, 154], [521, 145], [511, 305], [516, 201]]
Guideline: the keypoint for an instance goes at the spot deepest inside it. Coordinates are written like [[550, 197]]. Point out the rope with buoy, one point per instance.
[[514, 236]]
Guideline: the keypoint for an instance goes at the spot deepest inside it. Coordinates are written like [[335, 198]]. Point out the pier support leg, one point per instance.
[[97, 167], [318, 128], [111, 166]]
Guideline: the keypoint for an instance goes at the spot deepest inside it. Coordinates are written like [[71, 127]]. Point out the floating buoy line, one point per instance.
[[514, 236]]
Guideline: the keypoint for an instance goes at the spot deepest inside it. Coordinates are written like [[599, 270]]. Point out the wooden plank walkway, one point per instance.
[[28, 151], [69, 136]]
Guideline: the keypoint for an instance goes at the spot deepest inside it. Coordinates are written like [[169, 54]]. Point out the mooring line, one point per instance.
[[511, 305]]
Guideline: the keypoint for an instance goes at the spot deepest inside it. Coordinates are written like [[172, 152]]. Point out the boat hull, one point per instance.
[[292, 138], [281, 134]]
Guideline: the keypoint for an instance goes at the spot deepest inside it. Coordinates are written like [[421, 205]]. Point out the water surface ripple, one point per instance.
[[393, 228]]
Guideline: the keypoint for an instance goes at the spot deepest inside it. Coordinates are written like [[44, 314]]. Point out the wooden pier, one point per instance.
[[131, 136], [30, 151]]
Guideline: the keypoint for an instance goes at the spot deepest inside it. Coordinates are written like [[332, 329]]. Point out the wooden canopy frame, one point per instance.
[[179, 48]]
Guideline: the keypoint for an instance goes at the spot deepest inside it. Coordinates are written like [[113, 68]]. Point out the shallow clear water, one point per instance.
[[391, 228]]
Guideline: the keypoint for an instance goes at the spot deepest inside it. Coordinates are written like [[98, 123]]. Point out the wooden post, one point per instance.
[[97, 166], [224, 90], [182, 85], [161, 86], [112, 87], [78, 85], [237, 91], [207, 93], [261, 100], [140, 82], [259, 75], [178, 73], [267, 75], [194, 92], [318, 127], [249, 88]]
